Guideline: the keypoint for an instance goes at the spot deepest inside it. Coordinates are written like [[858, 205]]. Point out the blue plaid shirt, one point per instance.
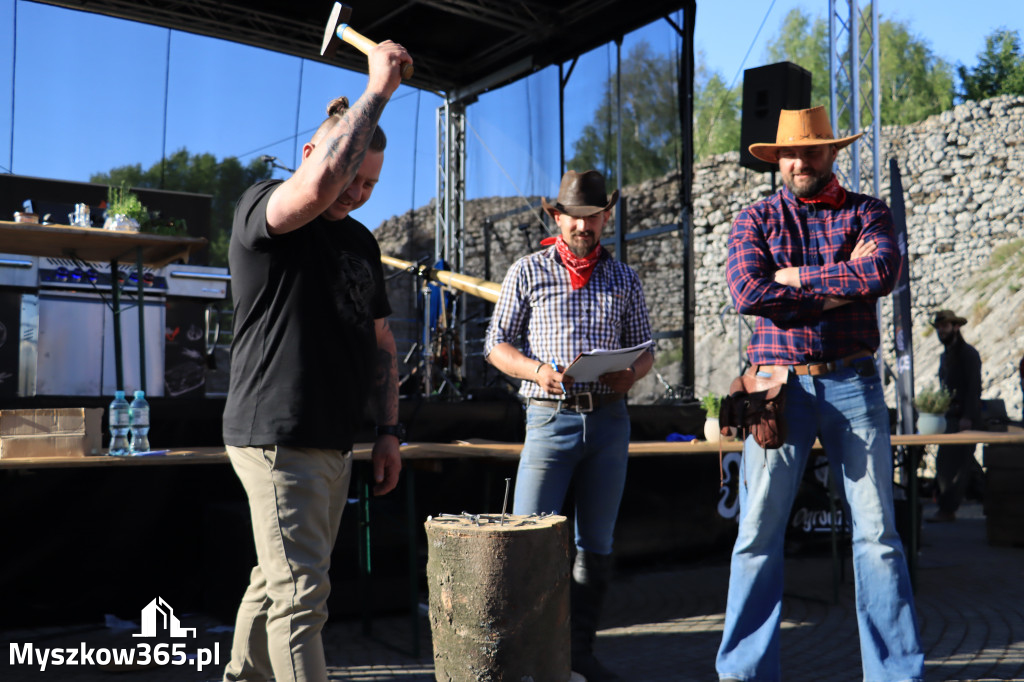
[[779, 232], [537, 300]]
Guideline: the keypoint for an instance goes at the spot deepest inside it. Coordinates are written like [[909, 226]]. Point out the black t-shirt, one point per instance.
[[303, 353]]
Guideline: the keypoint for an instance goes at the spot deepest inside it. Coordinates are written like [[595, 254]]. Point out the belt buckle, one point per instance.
[[589, 401]]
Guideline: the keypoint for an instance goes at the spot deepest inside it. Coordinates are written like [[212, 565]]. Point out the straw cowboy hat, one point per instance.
[[581, 195], [800, 128], [948, 316]]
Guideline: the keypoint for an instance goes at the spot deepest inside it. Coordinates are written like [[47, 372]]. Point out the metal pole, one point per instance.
[[685, 95], [876, 100], [139, 276], [561, 120], [115, 290], [620, 226], [833, 64], [854, 32]]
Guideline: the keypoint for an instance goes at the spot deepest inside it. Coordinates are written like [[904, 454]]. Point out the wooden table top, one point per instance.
[[94, 244], [485, 449], [217, 455]]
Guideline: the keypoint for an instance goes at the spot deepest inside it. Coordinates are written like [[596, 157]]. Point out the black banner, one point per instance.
[[901, 320]]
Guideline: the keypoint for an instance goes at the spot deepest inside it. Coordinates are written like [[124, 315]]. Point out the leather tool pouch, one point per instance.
[[756, 404]]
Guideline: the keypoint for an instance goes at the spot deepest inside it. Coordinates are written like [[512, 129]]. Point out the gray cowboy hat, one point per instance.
[[581, 195]]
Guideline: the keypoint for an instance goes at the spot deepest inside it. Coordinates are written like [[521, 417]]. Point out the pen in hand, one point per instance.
[[562, 385]]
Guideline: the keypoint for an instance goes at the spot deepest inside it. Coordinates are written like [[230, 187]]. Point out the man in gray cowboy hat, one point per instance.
[[571, 298], [960, 372], [810, 262]]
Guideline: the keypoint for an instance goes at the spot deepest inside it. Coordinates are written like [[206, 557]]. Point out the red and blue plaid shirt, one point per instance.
[[792, 325]]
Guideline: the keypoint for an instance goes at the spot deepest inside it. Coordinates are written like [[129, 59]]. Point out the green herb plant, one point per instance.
[[120, 201], [933, 400], [711, 403]]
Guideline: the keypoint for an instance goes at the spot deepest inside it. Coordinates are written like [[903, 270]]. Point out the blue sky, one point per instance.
[[86, 94]]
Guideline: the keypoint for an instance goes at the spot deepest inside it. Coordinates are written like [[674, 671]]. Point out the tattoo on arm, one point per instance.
[[386, 385], [347, 142]]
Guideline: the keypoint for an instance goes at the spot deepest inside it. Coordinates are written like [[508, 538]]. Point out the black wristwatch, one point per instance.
[[396, 430]]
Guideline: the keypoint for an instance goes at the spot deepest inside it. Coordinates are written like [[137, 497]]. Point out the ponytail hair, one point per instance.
[[336, 108]]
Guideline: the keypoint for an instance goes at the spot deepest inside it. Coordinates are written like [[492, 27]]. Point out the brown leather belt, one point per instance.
[[580, 402], [817, 369]]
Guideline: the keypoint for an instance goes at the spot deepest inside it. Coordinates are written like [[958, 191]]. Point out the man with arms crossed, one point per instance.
[[810, 262], [565, 300], [311, 346]]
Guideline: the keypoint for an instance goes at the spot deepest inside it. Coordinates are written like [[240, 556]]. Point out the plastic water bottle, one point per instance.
[[139, 420], [119, 420]]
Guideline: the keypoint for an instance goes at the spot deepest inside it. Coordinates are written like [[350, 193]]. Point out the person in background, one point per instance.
[[312, 347], [1020, 370], [810, 262], [565, 300], [956, 468]]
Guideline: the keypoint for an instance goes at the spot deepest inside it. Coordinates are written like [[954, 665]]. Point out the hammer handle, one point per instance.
[[364, 45]]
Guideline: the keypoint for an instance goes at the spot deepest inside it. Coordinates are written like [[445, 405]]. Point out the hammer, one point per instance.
[[338, 30]]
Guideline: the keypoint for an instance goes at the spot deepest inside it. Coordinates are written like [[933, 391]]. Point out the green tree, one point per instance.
[[1000, 69], [650, 122], [200, 174], [913, 82], [804, 42], [716, 113]]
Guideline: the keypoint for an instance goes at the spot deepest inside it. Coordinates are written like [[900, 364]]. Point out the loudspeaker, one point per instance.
[[766, 91]]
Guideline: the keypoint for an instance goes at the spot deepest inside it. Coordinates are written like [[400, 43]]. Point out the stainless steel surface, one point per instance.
[[18, 271], [68, 345], [28, 346], [66, 337], [71, 274], [197, 281]]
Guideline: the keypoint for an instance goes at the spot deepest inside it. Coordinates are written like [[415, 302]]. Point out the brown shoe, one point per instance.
[[942, 517]]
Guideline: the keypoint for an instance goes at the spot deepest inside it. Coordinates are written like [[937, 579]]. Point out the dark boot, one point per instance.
[[590, 576]]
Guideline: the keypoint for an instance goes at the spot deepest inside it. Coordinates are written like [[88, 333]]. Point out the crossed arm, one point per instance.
[[763, 283], [790, 276]]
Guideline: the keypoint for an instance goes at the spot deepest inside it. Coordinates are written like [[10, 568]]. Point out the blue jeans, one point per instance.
[[591, 449], [848, 413]]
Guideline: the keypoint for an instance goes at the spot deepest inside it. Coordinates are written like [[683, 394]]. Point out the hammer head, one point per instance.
[[340, 14]]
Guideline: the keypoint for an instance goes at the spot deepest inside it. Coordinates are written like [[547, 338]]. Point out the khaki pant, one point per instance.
[[296, 497]]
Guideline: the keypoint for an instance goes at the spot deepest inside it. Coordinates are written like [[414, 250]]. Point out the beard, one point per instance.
[[581, 247], [947, 339], [807, 185]]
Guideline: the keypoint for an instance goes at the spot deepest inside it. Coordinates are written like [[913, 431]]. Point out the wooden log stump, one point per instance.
[[499, 598]]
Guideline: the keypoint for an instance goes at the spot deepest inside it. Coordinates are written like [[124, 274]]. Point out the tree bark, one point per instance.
[[499, 598]]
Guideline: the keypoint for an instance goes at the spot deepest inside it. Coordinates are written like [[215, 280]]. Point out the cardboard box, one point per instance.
[[64, 432]]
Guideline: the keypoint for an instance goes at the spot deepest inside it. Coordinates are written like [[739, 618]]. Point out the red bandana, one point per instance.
[[833, 195], [579, 269]]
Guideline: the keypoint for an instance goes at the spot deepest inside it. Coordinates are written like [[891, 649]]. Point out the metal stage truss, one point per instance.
[[462, 49]]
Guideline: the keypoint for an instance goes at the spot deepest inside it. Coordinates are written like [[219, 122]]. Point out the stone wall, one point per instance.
[[963, 180]]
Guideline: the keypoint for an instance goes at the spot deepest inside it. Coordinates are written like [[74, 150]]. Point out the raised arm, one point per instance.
[[331, 163]]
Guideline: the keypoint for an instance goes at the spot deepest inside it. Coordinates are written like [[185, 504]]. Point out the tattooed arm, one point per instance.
[[332, 158], [387, 461]]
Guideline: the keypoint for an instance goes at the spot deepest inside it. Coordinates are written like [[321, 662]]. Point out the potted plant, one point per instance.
[[711, 403], [931, 404], [125, 212]]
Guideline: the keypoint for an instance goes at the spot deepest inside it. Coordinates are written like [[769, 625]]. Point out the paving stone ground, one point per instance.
[[664, 624]]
